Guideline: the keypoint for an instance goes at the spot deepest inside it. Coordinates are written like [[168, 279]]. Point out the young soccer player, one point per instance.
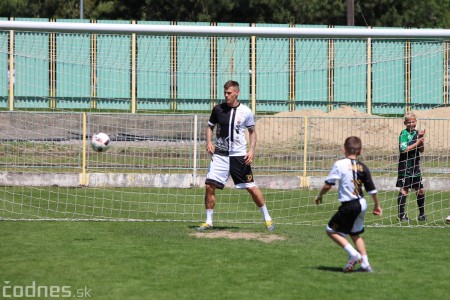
[[411, 144], [229, 155], [349, 219]]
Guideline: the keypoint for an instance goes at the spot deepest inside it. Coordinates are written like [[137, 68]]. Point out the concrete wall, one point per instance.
[[181, 181]]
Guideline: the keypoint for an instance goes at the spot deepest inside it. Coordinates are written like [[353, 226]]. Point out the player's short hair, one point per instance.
[[353, 145], [410, 115], [231, 83]]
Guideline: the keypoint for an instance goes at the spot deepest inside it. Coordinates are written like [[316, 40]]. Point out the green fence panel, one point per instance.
[[193, 71], [311, 73], [73, 69], [427, 74], [272, 72], [350, 73], [388, 77], [194, 77], [31, 57], [153, 70], [4, 65], [233, 63], [113, 70]]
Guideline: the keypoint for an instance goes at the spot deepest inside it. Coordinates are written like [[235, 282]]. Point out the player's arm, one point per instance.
[[371, 190], [318, 199], [421, 140], [252, 141], [377, 210], [421, 145], [209, 143], [418, 144]]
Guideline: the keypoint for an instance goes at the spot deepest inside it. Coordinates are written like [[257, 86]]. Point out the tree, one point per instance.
[[406, 13], [376, 13]]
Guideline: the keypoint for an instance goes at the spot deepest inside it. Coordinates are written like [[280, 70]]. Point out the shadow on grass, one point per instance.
[[330, 269], [218, 228]]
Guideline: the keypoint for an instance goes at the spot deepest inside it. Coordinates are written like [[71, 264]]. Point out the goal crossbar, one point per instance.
[[192, 30]]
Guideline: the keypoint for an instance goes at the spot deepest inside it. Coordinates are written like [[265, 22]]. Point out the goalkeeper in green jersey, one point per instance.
[[411, 144]]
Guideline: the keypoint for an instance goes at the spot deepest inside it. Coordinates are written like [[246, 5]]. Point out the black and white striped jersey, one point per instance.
[[352, 175], [230, 123]]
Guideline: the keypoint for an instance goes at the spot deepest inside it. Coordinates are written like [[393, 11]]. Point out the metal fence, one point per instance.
[[186, 73]]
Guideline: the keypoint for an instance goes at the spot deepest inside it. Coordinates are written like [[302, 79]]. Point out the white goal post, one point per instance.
[[192, 30], [151, 92]]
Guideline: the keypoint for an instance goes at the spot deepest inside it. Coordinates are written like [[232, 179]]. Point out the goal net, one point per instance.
[[152, 93]]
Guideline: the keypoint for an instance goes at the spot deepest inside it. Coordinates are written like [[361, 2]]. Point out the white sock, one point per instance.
[[209, 216], [350, 250], [265, 213], [365, 261]]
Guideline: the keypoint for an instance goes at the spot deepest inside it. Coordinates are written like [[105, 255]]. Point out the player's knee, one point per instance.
[[253, 190], [355, 237], [210, 190]]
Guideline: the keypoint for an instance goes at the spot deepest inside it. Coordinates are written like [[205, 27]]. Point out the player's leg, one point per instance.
[[417, 185], [258, 198], [210, 202], [354, 256], [216, 178], [242, 176], [359, 244], [361, 247], [341, 240], [401, 201], [339, 227], [343, 223], [210, 196], [357, 229], [420, 196]]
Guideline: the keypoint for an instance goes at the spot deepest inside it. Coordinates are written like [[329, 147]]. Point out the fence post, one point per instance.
[[330, 74], [194, 163], [292, 73], [84, 179], [173, 71], [446, 73], [305, 180], [133, 71], [369, 76], [11, 70], [407, 76]]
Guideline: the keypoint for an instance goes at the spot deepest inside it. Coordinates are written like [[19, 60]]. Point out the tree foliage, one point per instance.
[[376, 13]]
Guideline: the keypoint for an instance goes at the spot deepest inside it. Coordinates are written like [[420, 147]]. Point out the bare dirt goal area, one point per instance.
[[239, 235]]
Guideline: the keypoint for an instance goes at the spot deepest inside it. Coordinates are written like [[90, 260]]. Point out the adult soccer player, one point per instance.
[[229, 155]]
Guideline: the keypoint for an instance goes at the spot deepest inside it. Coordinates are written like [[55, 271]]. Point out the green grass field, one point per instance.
[[164, 260], [186, 205]]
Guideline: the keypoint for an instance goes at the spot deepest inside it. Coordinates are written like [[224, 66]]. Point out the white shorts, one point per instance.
[[221, 167]]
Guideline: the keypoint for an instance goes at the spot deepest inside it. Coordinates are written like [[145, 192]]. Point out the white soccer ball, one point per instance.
[[100, 142]]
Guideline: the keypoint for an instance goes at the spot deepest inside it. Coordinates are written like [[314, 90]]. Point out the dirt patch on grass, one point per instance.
[[239, 235]]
